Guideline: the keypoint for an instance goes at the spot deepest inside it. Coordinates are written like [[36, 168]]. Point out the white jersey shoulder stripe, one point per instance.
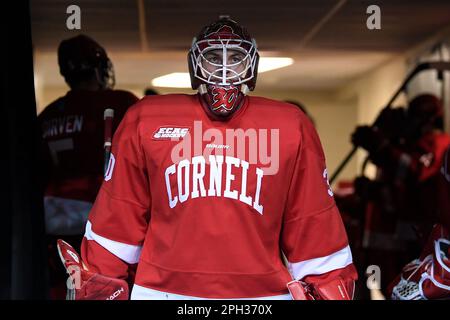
[[127, 252], [336, 260]]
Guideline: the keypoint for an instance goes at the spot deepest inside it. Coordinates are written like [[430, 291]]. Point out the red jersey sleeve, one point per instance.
[[313, 237], [118, 221]]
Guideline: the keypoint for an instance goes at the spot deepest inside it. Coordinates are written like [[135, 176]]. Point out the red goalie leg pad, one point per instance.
[[429, 276], [438, 232], [436, 283]]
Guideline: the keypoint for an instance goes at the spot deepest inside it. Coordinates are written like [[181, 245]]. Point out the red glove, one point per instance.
[[83, 284], [336, 289]]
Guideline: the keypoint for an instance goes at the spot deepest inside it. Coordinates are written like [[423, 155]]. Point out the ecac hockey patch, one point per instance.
[[169, 132]]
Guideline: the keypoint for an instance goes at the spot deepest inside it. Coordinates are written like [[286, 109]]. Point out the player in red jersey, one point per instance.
[[204, 191], [428, 277], [72, 132], [403, 201]]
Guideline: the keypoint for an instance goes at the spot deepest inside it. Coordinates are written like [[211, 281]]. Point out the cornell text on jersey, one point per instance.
[[180, 176]]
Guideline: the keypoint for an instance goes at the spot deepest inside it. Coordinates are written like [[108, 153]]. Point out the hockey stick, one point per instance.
[[439, 66], [108, 116]]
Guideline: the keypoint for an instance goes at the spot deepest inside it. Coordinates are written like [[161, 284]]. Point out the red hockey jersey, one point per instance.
[[73, 136], [206, 207]]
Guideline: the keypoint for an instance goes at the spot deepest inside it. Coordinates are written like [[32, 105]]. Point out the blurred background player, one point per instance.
[[428, 276], [400, 207], [72, 132], [150, 92]]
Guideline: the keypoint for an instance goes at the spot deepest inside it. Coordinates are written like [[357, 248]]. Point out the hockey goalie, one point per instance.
[[204, 192]]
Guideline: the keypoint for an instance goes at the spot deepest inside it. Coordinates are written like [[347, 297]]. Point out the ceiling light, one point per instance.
[[173, 80], [272, 63]]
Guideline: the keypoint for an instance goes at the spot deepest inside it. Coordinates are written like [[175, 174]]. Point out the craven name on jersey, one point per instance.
[[220, 167], [62, 125]]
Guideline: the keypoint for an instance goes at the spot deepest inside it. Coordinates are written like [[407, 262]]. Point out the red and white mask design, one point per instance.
[[223, 64], [223, 99]]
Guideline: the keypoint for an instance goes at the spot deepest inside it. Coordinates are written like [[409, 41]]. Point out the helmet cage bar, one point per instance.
[[219, 76]]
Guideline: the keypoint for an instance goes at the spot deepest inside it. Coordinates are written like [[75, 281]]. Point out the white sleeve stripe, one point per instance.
[[127, 252], [337, 260]]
